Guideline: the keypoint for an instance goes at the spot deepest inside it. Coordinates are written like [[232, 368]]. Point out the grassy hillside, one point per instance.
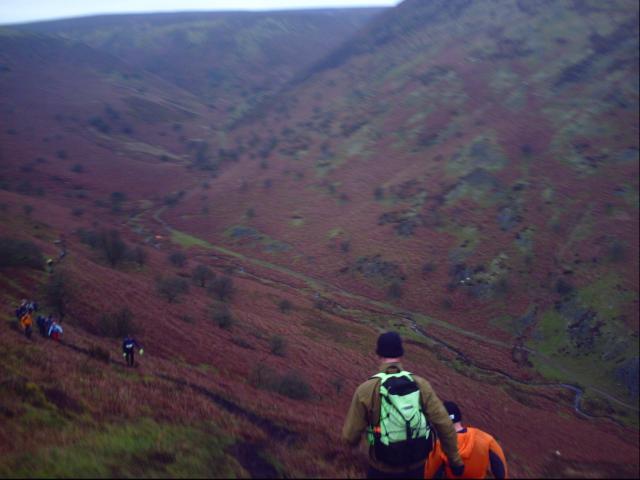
[[230, 60], [470, 163], [465, 173]]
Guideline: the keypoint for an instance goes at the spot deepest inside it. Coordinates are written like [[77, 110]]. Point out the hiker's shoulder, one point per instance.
[[367, 387], [481, 435], [422, 382]]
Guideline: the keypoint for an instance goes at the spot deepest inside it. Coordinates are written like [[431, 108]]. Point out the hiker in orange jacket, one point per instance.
[[26, 322], [479, 451]]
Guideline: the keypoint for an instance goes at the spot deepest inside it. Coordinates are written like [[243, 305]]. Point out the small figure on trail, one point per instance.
[[32, 306], [55, 330], [479, 451], [63, 247], [129, 344], [40, 322], [26, 322], [398, 410], [62, 243], [22, 309], [43, 324], [26, 306], [49, 265]]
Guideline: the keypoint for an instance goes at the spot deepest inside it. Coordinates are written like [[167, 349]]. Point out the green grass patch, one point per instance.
[[484, 152], [587, 341], [186, 240], [153, 150], [141, 449], [296, 221]]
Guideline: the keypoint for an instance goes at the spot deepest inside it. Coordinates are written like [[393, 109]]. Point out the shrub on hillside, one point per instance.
[[242, 343], [222, 318], [278, 345], [89, 237], [285, 306], [202, 275], [20, 253], [178, 259], [117, 199], [394, 291], [117, 324], [222, 288], [171, 287], [112, 246], [291, 384]]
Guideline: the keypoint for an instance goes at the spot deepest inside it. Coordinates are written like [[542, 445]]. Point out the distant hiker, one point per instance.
[[49, 265], [44, 323], [129, 344], [32, 306], [63, 247], [55, 330], [22, 309], [479, 451], [26, 322], [397, 410], [41, 322]]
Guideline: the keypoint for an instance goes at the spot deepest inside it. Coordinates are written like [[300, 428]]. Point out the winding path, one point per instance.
[[331, 291]]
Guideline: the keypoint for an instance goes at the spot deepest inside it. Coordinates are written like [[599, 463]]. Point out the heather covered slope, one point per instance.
[[470, 162], [230, 60], [465, 175], [79, 125]]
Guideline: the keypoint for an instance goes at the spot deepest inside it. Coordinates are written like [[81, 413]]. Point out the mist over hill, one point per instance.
[[257, 195], [230, 60]]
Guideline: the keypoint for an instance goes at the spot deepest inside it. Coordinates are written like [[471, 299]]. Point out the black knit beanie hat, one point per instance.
[[389, 345], [454, 411]]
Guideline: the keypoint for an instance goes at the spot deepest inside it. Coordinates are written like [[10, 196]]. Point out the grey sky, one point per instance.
[[17, 11]]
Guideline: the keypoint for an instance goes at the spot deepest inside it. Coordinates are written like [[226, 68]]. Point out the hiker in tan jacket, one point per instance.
[[396, 457]]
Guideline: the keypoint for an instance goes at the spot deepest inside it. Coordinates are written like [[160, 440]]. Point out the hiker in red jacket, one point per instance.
[[479, 451]]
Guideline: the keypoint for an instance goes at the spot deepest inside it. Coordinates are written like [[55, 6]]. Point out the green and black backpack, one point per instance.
[[403, 436]]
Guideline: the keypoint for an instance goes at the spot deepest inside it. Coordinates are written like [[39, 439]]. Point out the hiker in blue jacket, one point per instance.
[[129, 344]]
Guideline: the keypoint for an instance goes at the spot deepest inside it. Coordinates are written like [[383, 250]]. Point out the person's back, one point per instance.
[[55, 331], [129, 344], [26, 322], [47, 325], [371, 408], [480, 452]]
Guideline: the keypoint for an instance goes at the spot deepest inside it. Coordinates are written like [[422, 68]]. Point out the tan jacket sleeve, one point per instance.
[[356, 422], [439, 418]]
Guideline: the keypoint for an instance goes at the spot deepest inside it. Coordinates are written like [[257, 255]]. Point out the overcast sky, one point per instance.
[[17, 11]]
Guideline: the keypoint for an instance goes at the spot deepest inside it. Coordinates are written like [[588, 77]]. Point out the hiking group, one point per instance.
[[411, 433], [49, 328]]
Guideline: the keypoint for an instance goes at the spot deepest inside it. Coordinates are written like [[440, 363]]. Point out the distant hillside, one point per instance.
[[463, 172], [76, 116], [231, 60], [472, 161]]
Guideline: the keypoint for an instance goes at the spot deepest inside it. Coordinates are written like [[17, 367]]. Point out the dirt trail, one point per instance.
[[322, 289]]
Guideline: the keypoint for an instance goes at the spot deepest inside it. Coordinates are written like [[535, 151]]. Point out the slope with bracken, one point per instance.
[[230, 60], [374, 186], [470, 162]]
